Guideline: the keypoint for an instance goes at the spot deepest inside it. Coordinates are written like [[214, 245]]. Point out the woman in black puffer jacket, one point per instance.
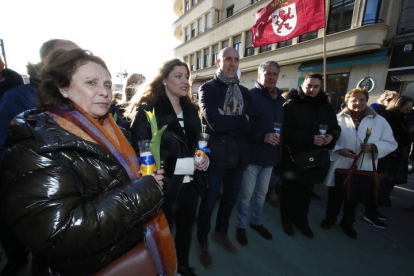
[[71, 189]]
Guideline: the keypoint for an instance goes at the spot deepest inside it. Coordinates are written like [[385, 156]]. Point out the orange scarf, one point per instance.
[[106, 133]]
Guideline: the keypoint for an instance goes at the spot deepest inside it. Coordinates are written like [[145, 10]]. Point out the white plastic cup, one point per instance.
[[277, 127], [322, 129]]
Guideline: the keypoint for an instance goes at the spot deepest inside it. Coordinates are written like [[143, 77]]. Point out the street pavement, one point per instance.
[[376, 252]]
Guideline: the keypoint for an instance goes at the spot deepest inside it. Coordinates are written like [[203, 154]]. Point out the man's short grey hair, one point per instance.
[[263, 66], [49, 46]]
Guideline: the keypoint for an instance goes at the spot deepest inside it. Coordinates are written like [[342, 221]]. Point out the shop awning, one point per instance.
[[344, 61]]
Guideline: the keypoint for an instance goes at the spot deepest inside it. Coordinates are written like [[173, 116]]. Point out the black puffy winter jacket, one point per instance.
[[69, 199], [302, 116]]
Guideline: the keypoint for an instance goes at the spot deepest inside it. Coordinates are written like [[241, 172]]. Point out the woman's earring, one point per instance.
[[65, 94]]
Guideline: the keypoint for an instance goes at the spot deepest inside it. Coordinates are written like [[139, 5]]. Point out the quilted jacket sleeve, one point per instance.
[[43, 204]]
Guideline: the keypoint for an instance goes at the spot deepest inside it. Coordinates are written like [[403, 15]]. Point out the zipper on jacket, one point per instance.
[[179, 138]]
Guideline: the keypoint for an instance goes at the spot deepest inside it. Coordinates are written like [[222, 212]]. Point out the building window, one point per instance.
[[372, 10], [249, 50], [237, 44], [215, 54], [199, 60], [200, 25], [255, 1], [265, 48], [308, 36], [192, 30], [206, 57], [337, 86], [340, 16], [186, 36], [284, 43], [217, 18], [208, 20], [225, 44], [406, 22], [193, 2], [187, 5], [230, 11], [191, 58]]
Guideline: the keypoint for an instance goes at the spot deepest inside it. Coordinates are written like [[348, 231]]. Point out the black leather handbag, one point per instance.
[[359, 186], [313, 165], [316, 158]]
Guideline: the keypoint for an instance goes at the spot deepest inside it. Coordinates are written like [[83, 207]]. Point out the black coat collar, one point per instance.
[[166, 115], [265, 91], [298, 96]]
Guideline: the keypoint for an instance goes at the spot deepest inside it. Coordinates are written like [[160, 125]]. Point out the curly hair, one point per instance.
[[355, 91], [57, 73], [156, 88]]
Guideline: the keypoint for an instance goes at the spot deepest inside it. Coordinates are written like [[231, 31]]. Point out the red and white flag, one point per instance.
[[281, 20]]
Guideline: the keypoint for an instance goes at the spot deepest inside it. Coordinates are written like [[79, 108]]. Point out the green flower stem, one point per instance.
[[156, 137]]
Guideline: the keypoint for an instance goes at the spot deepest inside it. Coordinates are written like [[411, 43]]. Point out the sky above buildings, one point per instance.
[[131, 35]]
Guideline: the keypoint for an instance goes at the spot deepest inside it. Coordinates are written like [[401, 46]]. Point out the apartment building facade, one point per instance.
[[360, 38]]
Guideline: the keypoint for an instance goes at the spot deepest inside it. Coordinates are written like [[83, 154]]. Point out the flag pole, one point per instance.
[[324, 52], [324, 60]]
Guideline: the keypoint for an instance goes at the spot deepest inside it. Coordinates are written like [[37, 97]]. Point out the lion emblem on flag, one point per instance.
[[284, 20]]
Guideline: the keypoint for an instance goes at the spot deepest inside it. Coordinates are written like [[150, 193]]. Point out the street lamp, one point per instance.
[[122, 75]]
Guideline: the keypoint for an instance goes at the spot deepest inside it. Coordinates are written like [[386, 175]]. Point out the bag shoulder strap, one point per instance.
[[354, 164]]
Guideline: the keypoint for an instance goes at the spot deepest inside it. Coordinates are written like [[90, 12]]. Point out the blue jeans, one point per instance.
[[253, 191], [231, 180]]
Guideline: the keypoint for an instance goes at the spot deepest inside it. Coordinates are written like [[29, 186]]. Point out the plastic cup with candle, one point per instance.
[[323, 129], [277, 127], [201, 147], [145, 158]]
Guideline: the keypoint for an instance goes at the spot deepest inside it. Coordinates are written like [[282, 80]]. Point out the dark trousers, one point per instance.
[[335, 201], [182, 216], [295, 201], [231, 180]]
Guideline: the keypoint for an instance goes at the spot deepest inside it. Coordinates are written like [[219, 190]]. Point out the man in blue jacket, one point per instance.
[[228, 117], [267, 101], [8, 78]]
